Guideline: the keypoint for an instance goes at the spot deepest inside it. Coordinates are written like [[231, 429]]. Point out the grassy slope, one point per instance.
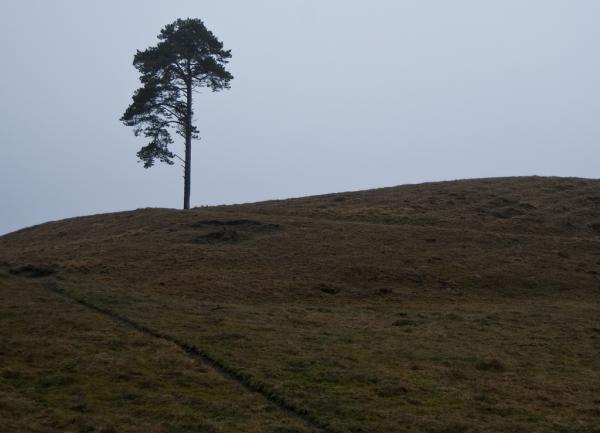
[[67, 369], [459, 306]]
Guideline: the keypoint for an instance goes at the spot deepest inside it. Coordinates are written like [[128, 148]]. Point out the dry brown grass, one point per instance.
[[65, 368], [466, 306]]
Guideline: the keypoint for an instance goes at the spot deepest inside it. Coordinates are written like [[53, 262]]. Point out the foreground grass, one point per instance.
[[490, 367], [64, 368]]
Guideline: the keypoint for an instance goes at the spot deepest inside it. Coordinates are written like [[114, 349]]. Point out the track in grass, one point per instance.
[[206, 359]]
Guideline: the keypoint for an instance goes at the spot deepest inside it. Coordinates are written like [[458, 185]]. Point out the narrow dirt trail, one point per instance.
[[199, 355]]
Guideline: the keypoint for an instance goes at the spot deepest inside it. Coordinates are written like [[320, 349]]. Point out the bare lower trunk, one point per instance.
[[188, 150], [188, 172]]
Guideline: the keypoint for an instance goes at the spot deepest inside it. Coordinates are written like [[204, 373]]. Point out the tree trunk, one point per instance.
[[188, 149]]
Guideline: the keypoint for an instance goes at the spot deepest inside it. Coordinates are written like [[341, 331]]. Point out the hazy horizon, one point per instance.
[[330, 97]]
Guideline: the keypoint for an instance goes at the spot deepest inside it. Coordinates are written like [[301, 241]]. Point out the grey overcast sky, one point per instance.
[[329, 95]]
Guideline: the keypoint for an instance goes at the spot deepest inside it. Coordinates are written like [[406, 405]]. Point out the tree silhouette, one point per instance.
[[188, 56]]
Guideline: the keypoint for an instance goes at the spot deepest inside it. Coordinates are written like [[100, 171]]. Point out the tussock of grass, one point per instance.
[[491, 365]]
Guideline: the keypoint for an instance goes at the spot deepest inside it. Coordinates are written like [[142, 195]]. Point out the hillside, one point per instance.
[[464, 306]]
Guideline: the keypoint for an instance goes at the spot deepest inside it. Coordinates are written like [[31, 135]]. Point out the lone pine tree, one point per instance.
[[188, 56]]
